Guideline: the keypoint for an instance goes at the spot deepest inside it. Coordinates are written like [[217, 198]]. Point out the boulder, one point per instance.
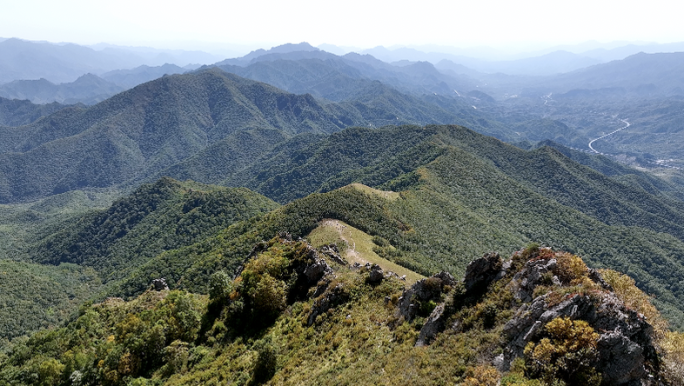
[[160, 284], [375, 275], [422, 291], [333, 253], [533, 274], [433, 325]]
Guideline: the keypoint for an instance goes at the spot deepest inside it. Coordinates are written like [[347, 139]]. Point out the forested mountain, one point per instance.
[[462, 194], [16, 112], [97, 247], [142, 131], [298, 68], [88, 89]]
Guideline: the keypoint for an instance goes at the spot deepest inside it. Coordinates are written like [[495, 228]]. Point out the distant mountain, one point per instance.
[[25, 60], [552, 63], [546, 64], [133, 77], [15, 112], [142, 131], [282, 49], [61, 63], [158, 57], [640, 74], [622, 52], [337, 77], [88, 89]]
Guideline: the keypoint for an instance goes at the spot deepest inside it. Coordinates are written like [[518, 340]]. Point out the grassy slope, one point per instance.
[[356, 247]]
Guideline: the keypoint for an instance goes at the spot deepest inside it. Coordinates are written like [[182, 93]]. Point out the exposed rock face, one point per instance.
[[423, 291], [482, 271], [160, 284], [333, 253], [433, 325], [625, 352], [624, 344], [533, 274], [315, 271]]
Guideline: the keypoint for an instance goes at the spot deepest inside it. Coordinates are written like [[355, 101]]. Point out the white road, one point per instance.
[[609, 134]]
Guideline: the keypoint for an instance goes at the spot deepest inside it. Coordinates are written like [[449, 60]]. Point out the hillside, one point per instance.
[[143, 131], [90, 246], [22, 112], [462, 194], [155, 218], [294, 316], [338, 77]]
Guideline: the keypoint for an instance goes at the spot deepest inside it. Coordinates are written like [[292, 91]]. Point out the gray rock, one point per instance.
[[423, 290], [433, 325], [481, 272], [160, 284], [624, 345], [621, 360], [333, 253], [532, 275], [498, 362], [375, 275], [596, 277]]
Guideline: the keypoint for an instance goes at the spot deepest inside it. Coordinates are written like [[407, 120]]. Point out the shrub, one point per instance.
[[265, 365], [220, 286], [481, 376], [626, 290], [567, 353], [570, 268], [673, 358]]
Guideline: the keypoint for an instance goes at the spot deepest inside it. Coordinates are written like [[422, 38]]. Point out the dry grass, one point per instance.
[[355, 246], [387, 195]]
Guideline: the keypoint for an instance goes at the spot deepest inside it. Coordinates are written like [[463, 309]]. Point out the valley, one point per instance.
[[293, 215]]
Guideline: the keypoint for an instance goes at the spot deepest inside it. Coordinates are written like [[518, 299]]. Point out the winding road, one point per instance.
[[609, 134]]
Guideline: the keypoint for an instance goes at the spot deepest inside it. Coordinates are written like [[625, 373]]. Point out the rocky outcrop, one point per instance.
[[533, 274], [424, 290], [481, 272], [433, 325], [624, 345], [160, 284], [331, 251]]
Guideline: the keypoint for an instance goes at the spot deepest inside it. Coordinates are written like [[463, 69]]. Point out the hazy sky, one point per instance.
[[359, 23]]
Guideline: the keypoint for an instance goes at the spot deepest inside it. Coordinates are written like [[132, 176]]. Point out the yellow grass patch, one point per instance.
[[355, 246], [387, 195]]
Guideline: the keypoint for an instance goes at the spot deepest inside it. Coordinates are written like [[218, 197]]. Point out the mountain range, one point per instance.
[[209, 223]]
